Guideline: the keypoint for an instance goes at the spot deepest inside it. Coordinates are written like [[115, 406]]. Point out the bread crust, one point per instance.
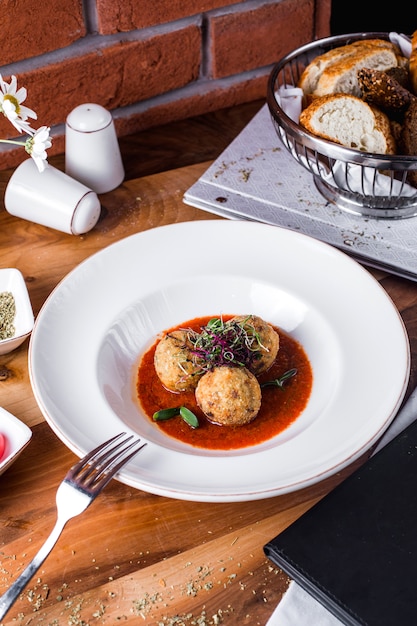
[[342, 77], [336, 69], [409, 138], [413, 63], [311, 74], [349, 121], [382, 90]]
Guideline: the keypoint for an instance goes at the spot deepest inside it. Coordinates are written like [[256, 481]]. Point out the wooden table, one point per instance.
[[134, 557]]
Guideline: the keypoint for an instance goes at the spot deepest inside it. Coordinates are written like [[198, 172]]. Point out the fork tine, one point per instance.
[[115, 463], [96, 452], [97, 468]]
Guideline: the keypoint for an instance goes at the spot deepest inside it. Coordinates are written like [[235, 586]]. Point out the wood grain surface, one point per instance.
[[134, 557]]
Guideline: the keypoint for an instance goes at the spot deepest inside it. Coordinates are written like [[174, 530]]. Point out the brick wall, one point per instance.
[[147, 61]]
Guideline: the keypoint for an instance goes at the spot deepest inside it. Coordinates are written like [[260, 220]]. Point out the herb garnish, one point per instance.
[[187, 415], [233, 343], [166, 414], [279, 382], [226, 343]]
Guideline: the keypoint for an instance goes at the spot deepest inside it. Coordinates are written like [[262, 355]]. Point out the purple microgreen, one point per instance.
[[226, 343]]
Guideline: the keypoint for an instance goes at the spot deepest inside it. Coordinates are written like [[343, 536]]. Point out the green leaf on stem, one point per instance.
[[280, 382]]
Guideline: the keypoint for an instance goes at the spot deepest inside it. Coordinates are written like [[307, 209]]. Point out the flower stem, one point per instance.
[[16, 143]]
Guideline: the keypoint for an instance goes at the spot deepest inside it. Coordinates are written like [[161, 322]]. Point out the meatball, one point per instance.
[[229, 395], [174, 362], [264, 342]]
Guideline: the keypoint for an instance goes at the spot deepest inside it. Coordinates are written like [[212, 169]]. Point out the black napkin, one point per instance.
[[355, 551]]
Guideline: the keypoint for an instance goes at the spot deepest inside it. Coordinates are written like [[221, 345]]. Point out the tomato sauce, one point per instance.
[[280, 407]]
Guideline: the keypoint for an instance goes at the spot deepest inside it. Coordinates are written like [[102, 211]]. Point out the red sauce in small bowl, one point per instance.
[[279, 408]]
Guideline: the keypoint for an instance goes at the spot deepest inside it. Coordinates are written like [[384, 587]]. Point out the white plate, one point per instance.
[[100, 319]]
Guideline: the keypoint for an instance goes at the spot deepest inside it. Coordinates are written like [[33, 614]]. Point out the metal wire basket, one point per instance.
[[366, 184]]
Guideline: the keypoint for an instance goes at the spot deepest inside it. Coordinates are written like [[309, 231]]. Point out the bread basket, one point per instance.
[[365, 184]]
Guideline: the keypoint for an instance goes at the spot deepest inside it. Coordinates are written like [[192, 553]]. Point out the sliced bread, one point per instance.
[[383, 90], [335, 71], [413, 63], [349, 121]]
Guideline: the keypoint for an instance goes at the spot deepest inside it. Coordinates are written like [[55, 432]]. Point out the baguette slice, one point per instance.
[[336, 70], [350, 122]]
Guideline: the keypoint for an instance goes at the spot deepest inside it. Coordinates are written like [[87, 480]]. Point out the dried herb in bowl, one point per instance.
[[7, 315]]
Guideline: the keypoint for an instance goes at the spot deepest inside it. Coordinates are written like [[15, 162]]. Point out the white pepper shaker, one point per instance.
[[92, 153], [51, 198]]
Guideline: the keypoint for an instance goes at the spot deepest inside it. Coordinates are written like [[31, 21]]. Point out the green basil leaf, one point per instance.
[[189, 417], [166, 414]]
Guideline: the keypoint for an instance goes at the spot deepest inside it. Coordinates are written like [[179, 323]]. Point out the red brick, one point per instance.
[[30, 27], [148, 77], [212, 98], [245, 40], [126, 15], [115, 76]]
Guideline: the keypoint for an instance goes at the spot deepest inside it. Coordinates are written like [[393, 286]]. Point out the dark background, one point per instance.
[[356, 16]]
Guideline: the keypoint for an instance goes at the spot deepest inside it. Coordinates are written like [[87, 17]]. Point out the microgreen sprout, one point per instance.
[[187, 415], [280, 382], [226, 343]]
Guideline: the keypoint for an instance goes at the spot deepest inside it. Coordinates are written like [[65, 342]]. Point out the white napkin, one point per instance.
[[297, 607], [403, 42]]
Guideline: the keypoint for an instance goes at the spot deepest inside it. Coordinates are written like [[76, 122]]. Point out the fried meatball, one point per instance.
[[174, 362], [229, 395], [264, 342]]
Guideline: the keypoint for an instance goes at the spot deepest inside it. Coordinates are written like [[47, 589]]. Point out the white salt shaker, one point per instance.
[[92, 153], [51, 198]]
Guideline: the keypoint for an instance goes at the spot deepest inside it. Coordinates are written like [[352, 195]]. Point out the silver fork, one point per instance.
[[82, 484]]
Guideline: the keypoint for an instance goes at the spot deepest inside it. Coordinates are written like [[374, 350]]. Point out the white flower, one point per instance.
[[37, 146], [11, 106]]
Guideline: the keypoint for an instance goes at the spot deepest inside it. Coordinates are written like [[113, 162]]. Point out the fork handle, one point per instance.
[[11, 595]]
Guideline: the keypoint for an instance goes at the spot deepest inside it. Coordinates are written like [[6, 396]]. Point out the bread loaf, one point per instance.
[[335, 71], [349, 121], [413, 63], [384, 91], [409, 138]]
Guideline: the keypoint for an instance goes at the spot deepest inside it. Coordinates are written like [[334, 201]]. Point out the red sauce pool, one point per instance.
[[279, 408]]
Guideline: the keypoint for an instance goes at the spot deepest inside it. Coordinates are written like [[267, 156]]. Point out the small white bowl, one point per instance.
[[12, 280], [16, 435]]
